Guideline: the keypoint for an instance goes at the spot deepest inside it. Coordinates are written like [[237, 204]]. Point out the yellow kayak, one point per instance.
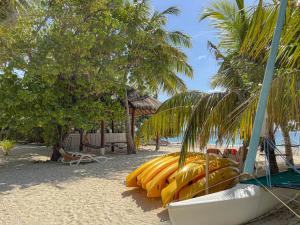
[[158, 168], [172, 176], [131, 179], [219, 180], [150, 168], [201, 156], [159, 182], [191, 172], [221, 186]]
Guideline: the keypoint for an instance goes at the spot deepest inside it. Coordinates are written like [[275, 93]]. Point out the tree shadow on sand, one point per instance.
[[23, 168], [146, 204]]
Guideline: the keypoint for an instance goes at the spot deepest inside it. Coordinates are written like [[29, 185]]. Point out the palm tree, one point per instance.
[[225, 114], [153, 57], [259, 36]]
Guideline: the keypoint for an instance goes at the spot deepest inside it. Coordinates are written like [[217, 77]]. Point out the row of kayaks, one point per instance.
[[162, 177]]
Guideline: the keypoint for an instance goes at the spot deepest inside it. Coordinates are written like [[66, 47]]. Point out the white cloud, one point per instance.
[[201, 57], [217, 89]]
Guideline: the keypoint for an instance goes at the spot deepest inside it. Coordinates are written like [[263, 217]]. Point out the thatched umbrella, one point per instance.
[[141, 105]]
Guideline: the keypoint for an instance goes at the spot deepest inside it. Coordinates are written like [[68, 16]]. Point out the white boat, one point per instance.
[[234, 206]]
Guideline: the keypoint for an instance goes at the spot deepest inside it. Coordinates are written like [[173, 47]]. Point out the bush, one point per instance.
[[7, 146]]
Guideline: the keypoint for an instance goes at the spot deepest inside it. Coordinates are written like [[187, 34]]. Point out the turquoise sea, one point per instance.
[[295, 139]]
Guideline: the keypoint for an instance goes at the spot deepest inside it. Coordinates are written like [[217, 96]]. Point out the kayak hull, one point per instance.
[[234, 206]]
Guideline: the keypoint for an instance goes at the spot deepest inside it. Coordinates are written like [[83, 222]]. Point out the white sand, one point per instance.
[[52, 193]]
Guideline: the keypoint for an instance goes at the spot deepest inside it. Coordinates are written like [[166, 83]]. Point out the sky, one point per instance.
[[199, 57]]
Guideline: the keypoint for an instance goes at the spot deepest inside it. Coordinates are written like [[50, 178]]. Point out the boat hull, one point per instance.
[[234, 206]]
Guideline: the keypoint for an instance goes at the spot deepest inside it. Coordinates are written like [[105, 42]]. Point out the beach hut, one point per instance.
[[112, 134]]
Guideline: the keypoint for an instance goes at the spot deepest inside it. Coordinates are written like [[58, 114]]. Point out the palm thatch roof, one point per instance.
[[142, 104]]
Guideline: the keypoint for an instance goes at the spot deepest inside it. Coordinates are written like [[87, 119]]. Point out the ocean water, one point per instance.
[[295, 139]]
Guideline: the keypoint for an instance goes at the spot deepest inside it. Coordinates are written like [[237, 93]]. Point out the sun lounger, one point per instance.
[[214, 151], [77, 158], [231, 153]]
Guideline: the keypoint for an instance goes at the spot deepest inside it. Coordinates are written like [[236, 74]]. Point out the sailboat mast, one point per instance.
[[267, 82]]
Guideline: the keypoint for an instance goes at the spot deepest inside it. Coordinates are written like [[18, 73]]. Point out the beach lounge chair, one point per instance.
[[215, 151], [231, 153], [77, 158]]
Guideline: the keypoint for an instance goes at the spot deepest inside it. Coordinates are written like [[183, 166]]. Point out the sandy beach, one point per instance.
[[33, 191]]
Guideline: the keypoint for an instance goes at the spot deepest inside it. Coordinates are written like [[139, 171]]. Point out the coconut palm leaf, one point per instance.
[[282, 108], [231, 21], [171, 118], [179, 39], [260, 33]]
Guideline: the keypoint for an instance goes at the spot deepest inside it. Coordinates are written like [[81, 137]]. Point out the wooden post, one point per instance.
[[132, 123], [112, 130], [206, 173], [157, 143], [102, 143], [81, 140], [112, 126]]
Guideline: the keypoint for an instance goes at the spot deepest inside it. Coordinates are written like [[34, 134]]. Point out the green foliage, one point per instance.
[[67, 64], [152, 57], [57, 68], [9, 8], [7, 146]]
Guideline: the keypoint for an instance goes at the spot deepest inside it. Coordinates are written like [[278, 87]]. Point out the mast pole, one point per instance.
[[267, 82]]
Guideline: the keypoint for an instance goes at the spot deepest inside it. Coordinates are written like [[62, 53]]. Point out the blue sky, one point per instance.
[[202, 61]]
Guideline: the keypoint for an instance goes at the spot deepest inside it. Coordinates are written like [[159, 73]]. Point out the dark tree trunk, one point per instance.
[[81, 140], [132, 123], [268, 144], [61, 136], [130, 144], [288, 145], [113, 131], [102, 143], [55, 153]]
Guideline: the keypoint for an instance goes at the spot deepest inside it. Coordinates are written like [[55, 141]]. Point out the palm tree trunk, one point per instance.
[[243, 154], [269, 143], [129, 139], [157, 139], [287, 144]]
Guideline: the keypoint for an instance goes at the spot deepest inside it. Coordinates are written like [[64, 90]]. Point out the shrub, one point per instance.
[[7, 146]]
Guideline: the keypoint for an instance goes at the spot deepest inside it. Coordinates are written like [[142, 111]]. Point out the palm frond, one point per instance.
[[173, 10], [179, 39], [171, 118], [256, 44], [230, 21]]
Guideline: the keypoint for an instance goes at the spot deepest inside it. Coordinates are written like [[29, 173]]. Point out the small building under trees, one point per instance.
[[112, 134]]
